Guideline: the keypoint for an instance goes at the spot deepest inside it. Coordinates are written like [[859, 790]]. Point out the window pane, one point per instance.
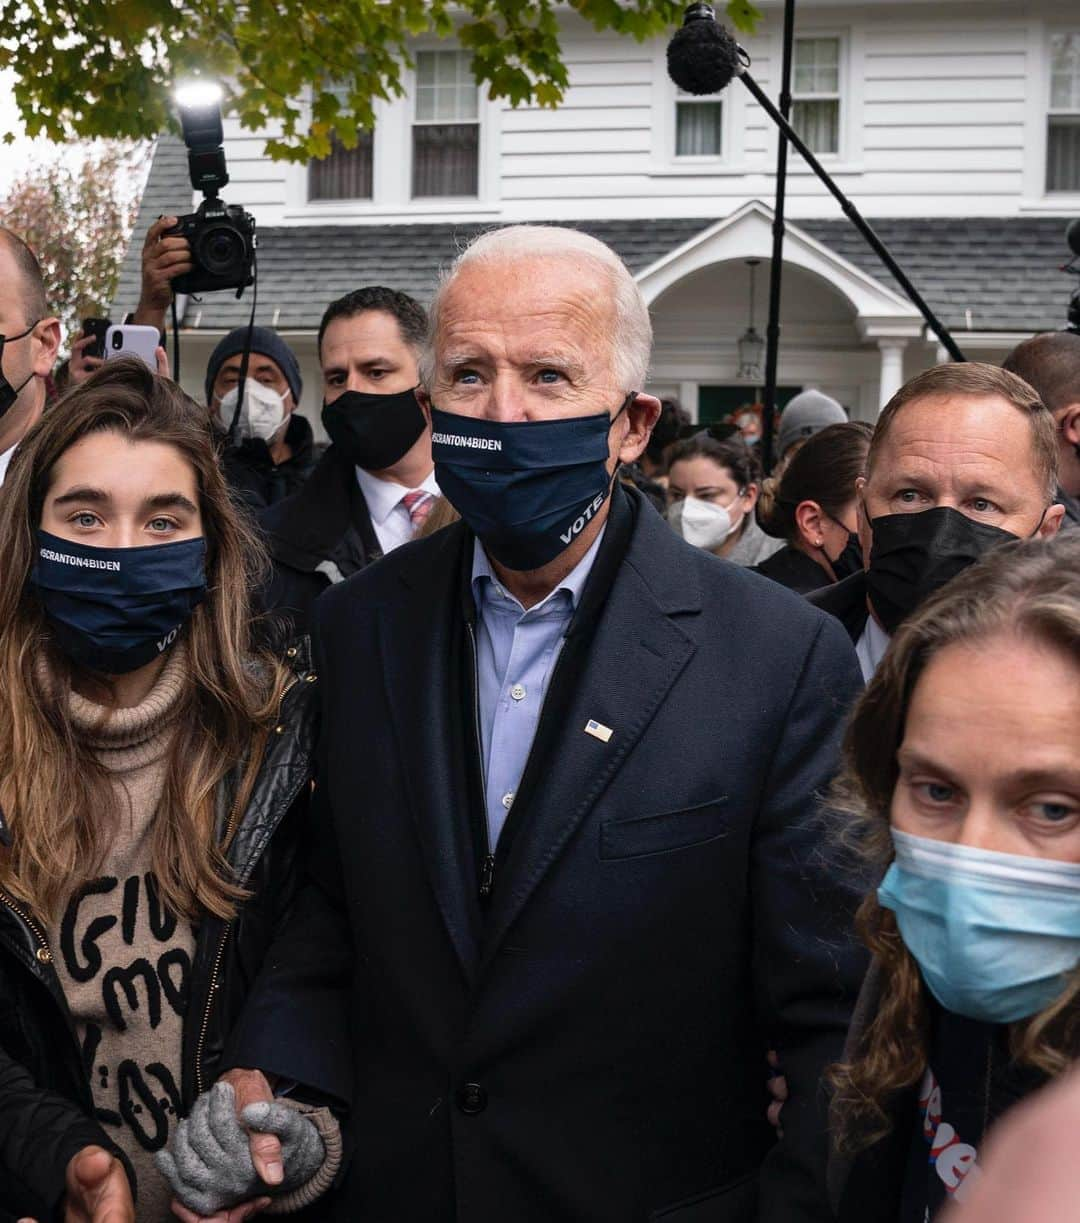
[[816, 64], [818, 123], [1063, 153], [445, 159], [445, 89], [699, 129], [345, 174], [1065, 72]]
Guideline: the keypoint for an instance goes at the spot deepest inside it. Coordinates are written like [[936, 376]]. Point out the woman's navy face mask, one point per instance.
[[113, 610]]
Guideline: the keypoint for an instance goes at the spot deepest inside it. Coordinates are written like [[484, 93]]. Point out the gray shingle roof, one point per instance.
[[1003, 270]]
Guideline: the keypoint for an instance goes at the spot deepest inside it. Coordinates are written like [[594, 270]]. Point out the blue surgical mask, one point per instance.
[[526, 488], [112, 610], [995, 935]]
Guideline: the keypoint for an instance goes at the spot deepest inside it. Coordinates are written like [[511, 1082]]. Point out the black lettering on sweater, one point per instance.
[[93, 932]]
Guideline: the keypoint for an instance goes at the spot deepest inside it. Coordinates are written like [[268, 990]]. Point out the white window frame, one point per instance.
[[1035, 197], [415, 122], [1050, 111], [848, 157], [392, 166], [806, 36], [665, 97]]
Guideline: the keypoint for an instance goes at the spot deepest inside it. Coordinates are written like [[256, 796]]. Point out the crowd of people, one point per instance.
[[526, 808]]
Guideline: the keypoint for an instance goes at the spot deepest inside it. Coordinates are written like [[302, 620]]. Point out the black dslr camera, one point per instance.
[[221, 236]]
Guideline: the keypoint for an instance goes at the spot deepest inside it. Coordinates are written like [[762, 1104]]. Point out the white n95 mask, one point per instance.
[[263, 415], [701, 523]]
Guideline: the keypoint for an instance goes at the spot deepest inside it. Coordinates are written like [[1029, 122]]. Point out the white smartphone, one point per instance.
[[131, 340]]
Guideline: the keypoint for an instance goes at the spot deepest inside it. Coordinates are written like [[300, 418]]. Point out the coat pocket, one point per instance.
[[735, 1202], [660, 834]]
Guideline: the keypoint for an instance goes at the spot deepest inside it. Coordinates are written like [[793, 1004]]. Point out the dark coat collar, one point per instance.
[[846, 601], [308, 528]]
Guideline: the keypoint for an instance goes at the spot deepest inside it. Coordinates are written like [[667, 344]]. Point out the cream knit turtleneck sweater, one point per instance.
[[123, 959]]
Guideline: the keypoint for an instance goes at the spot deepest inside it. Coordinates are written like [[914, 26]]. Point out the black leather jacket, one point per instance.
[[46, 1107]]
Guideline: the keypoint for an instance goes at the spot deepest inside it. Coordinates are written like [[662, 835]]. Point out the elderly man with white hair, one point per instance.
[[567, 884]]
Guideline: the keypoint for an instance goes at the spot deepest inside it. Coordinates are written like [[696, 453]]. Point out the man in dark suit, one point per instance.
[[374, 485], [568, 867]]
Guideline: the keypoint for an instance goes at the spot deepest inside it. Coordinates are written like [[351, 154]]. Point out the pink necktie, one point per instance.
[[419, 506]]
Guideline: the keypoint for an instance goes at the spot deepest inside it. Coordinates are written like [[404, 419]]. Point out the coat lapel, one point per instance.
[[418, 655], [636, 655]]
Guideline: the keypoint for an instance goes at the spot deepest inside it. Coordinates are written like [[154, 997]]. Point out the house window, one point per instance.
[[446, 126], [1063, 123], [345, 174], [699, 127], [815, 112]]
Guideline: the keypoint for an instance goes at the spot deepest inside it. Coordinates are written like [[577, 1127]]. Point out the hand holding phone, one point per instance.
[[131, 340], [98, 328]]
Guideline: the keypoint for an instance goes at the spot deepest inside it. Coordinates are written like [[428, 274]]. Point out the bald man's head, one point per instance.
[[31, 285]]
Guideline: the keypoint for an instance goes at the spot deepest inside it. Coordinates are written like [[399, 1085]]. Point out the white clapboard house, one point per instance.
[[953, 124]]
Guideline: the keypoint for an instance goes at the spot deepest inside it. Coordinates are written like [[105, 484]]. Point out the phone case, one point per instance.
[[131, 340]]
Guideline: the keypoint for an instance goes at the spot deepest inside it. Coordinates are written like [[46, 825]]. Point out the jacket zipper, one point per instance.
[[44, 953], [220, 954], [487, 861]]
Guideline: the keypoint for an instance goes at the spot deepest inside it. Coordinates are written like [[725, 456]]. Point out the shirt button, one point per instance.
[[508, 799], [518, 692], [471, 1099]]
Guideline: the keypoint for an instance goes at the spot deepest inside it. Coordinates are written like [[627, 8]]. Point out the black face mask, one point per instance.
[[850, 560], [113, 610], [374, 431], [9, 393], [914, 555]]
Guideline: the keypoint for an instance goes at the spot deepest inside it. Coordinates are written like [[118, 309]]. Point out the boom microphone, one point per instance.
[[703, 57]]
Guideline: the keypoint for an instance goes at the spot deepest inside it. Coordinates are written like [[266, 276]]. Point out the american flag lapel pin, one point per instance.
[[598, 730]]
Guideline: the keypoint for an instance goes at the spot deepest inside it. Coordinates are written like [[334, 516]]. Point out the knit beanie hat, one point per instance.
[[264, 341], [806, 414]]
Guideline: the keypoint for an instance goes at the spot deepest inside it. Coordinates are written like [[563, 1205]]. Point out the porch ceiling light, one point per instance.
[[751, 344]]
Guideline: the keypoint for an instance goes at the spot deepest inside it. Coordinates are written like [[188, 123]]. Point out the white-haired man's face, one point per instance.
[[531, 338]]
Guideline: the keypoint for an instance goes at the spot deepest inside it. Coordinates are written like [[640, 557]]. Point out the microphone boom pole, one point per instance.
[[856, 217], [776, 265], [702, 58]]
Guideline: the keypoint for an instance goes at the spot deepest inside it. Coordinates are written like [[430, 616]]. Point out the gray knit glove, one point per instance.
[[209, 1166]]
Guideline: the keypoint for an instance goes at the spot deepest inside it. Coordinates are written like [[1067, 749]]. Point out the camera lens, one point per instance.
[[220, 250], [118, 339]]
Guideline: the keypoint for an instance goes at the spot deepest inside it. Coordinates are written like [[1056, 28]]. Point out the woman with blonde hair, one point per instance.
[[155, 769], [961, 776]]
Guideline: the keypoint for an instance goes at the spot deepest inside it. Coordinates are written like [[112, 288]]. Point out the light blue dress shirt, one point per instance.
[[516, 652]]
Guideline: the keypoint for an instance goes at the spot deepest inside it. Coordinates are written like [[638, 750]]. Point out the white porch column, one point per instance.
[[892, 368], [688, 397]]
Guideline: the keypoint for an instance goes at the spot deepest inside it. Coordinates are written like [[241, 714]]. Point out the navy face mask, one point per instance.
[[113, 610], [526, 488]]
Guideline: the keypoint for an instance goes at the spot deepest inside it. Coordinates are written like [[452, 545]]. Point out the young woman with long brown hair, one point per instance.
[[961, 776], [155, 769]]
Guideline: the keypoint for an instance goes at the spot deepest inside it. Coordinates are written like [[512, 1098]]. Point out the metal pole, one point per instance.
[[776, 267], [856, 217]]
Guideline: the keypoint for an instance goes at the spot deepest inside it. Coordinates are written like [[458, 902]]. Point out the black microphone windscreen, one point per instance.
[[702, 57]]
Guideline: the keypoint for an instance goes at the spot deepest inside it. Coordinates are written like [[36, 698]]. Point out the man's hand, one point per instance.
[[162, 260], [251, 1087], [97, 1189], [81, 364]]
